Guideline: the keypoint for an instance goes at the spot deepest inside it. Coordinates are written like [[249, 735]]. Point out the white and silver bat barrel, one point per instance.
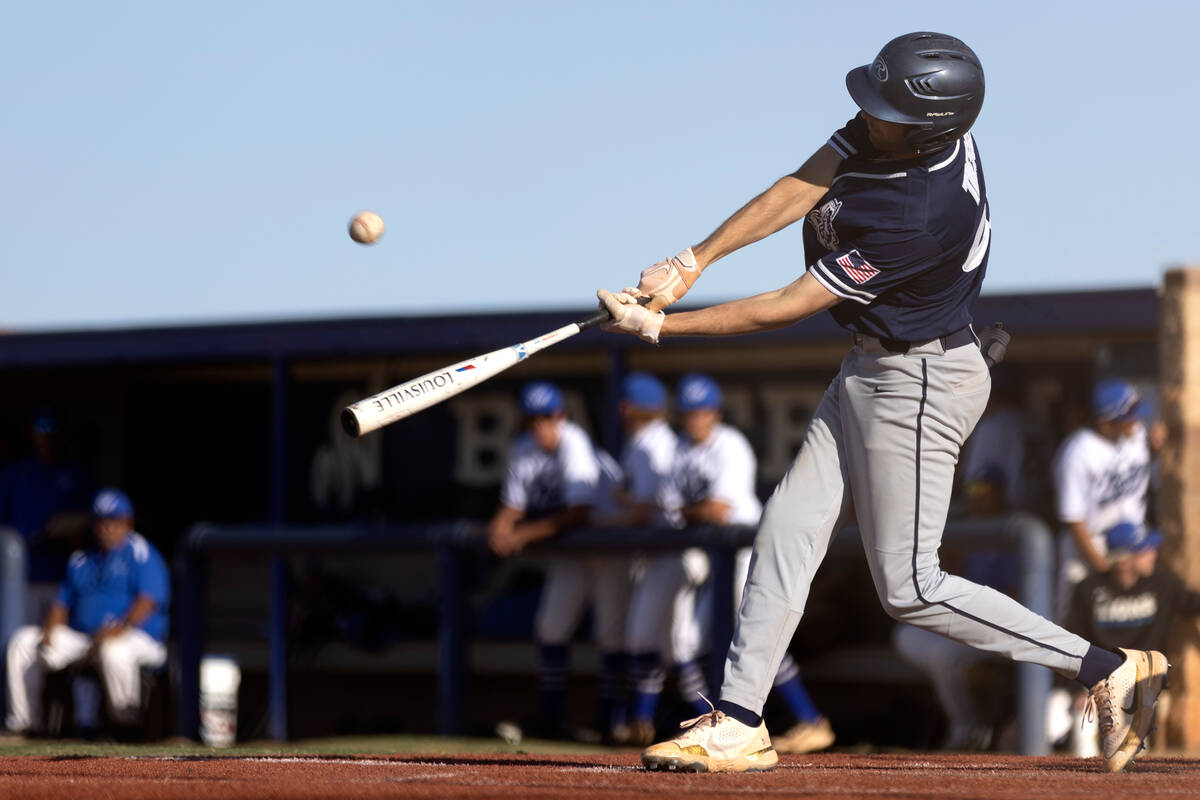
[[408, 398]]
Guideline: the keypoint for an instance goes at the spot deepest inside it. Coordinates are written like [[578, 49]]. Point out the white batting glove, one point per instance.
[[629, 316], [667, 281]]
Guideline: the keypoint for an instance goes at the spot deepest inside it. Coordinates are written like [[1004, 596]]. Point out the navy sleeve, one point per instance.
[[882, 261], [852, 140]]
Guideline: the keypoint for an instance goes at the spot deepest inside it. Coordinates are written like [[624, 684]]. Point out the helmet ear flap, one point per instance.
[[922, 140]]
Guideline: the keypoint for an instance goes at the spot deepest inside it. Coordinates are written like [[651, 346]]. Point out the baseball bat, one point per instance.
[[406, 399]]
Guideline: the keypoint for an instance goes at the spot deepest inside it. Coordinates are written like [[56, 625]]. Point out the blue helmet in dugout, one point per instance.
[[644, 391], [931, 81], [1115, 400], [541, 398], [698, 391]]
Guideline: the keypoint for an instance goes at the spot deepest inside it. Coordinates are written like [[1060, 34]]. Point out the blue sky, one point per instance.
[[178, 163]]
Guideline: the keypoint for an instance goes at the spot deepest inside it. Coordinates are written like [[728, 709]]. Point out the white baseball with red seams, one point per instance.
[[366, 227]]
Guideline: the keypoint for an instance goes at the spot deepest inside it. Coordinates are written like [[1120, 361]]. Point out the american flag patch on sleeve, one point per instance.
[[857, 268]]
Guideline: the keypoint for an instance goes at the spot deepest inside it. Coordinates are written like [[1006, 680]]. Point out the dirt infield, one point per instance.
[[520, 777]]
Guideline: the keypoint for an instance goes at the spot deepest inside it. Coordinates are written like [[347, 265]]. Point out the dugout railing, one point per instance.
[[453, 542]]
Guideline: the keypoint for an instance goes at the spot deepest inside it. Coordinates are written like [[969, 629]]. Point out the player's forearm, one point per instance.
[[1087, 549], [748, 315], [55, 616], [535, 530], [505, 518], [788, 200], [141, 609], [707, 512], [762, 312]]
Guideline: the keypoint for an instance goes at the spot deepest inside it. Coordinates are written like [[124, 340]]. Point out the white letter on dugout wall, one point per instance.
[[487, 424], [788, 411]]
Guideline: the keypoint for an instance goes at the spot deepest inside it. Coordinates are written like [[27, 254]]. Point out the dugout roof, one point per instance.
[[1112, 312]]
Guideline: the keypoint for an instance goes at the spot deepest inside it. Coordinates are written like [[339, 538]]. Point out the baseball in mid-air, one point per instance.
[[366, 227]]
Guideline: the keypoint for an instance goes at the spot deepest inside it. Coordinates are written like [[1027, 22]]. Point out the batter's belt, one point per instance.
[[962, 336]]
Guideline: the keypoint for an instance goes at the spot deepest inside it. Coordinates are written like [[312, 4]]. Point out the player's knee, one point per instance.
[[909, 592], [901, 601], [24, 641], [111, 654], [902, 611]]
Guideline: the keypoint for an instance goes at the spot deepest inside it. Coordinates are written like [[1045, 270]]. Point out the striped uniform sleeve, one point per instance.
[[851, 140], [877, 263]]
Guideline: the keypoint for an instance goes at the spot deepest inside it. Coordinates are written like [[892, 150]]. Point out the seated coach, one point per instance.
[[111, 610]]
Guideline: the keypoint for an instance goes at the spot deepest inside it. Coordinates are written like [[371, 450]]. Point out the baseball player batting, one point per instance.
[[896, 242]]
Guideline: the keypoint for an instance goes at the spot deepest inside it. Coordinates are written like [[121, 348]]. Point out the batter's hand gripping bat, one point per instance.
[[428, 390]]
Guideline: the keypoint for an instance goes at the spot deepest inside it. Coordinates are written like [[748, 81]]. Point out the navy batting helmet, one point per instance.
[[928, 80]]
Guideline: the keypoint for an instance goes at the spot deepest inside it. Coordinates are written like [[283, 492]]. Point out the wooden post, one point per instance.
[[1179, 517]]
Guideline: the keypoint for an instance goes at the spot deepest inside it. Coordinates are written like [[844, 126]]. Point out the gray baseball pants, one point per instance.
[[882, 446]]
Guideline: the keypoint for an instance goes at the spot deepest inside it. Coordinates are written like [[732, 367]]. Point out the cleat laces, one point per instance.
[[1100, 704], [712, 718]]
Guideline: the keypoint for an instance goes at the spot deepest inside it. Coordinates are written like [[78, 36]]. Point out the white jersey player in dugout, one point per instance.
[[1101, 476], [555, 480]]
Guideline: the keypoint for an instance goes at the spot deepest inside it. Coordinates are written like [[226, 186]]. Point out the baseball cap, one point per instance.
[[45, 423], [1114, 399], [112, 503], [541, 398], [1126, 537], [697, 390], [645, 391]]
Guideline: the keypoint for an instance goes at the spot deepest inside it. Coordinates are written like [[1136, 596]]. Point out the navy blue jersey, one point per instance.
[[904, 243]]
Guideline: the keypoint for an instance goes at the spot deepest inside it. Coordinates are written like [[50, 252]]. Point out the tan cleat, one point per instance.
[[714, 743], [1124, 702], [805, 737]]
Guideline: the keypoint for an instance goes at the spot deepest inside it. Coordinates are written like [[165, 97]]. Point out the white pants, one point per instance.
[[662, 612], [118, 659], [573, 583]]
